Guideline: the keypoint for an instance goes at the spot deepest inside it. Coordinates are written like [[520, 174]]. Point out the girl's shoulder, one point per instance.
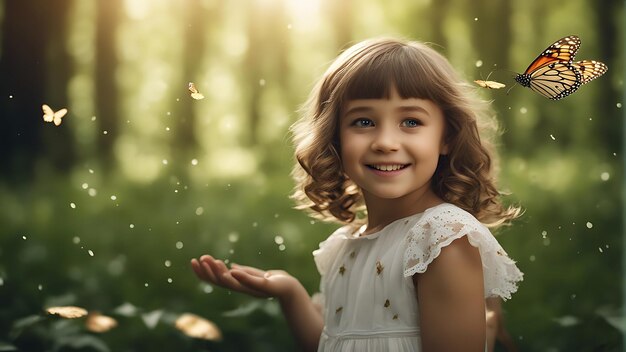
[[450, 216], [439, 227]]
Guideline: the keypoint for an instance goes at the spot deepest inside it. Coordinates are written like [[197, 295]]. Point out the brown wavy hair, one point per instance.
[[369, 70]]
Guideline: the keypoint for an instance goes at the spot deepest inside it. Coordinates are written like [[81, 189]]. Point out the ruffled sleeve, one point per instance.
[[444, 224], [327, 251]]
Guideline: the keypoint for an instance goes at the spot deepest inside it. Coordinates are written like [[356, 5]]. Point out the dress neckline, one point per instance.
[[355, 235]]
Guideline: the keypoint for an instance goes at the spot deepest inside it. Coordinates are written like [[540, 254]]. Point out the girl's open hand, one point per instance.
[[245, 279]]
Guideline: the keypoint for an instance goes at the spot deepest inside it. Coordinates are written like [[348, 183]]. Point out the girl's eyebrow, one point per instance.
[[412, 108], [358, 109], [405, 108]]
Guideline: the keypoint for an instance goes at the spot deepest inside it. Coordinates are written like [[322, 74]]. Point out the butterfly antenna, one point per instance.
[[508, 90]]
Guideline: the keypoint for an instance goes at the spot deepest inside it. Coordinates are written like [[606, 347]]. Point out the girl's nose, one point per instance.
[[385, 142]]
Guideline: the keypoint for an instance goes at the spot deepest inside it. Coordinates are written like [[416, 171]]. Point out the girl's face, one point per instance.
[[390, 147]]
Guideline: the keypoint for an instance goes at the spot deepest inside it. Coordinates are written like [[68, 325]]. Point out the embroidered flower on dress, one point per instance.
[[379, 267]]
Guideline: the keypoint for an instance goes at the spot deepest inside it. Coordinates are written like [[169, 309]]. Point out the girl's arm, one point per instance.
[[451, 300], [304, 319]]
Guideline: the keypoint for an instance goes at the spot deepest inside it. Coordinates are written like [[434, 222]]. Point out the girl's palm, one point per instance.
[[246, 279]]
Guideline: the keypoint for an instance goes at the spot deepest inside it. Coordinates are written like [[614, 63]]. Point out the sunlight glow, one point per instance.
[[137, 9], [307, 11]]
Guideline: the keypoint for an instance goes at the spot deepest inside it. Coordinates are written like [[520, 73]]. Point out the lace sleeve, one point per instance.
[[435, 231]]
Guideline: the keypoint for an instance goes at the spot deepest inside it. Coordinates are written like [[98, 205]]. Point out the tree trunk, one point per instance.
[[107, 109], [33, 32]]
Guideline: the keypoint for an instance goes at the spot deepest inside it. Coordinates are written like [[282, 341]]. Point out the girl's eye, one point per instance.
[[411, 123], [363, 122]]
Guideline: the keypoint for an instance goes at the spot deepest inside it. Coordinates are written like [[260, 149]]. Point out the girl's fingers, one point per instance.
[[245, 278], [253, 282], [200, 270], [235, 284], [249, 269]]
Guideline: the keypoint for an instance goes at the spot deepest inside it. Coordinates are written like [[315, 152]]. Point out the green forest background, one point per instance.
[[106, 210]]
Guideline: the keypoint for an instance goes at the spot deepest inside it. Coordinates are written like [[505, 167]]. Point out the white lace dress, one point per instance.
[[367, 290]]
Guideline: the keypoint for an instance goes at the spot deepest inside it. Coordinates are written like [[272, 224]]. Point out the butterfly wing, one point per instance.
[[58, 116], [555, 80], [48, 113], [590, 70], [563, 49], [194, 92], [490, 84]]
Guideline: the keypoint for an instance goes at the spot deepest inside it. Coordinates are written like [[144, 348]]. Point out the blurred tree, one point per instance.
[[193, 49], [608, 34], [342, 21], [266, 57], [106, 60], [28, 47]]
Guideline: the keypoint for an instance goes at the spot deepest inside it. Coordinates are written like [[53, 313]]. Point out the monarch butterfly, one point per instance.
[[555, 75], [50, 115], [194, 92]]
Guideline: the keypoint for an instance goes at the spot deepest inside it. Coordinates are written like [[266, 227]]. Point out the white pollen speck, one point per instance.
[[91, 171], [479, 63], [523, 110], [84, 186], [169, 279], [132, 226], [76, 240], [605, 176], [553, 138], [262, 82], [164, 161], [589, 225], [199, 210], [24, 238], [179, 245], [90, 253], [168, 263], [114, 197], [194, 162], [619, 105], [73, 205], [146, 284], [600, 249], [105, 132], [279, 239]]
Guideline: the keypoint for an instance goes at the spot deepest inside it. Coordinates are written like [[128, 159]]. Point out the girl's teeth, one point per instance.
[[388, 167]]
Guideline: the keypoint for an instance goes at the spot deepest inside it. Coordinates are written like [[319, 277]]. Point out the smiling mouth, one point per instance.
[[394, 167]]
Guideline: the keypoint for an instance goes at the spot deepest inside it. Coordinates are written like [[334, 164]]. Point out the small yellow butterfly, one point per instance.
[[50, 115], [194, 92], [489, 84]]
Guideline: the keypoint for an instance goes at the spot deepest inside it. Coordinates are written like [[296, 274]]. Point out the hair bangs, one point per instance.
[[396, 68]]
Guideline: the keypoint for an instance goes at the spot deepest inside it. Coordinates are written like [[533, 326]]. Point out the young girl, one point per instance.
[[389, 145]]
